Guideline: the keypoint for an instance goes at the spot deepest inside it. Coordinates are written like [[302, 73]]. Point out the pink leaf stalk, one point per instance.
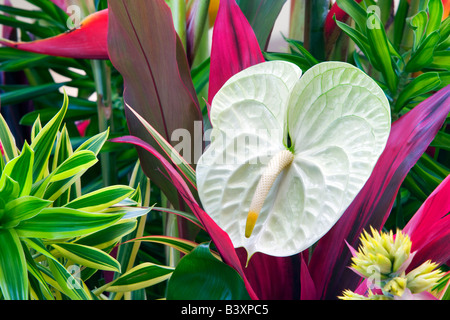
[[234, 46], [219, 237]]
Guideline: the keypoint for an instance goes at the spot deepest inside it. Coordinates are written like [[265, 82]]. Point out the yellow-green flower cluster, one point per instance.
[[384, 257], [382, 253]]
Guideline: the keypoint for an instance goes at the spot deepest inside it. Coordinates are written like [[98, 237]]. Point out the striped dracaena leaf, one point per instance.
[[101, 199], [144, 275], [44, 141], [88, 256], [65, 280], [60, 179], [58, 223], [7, 140], [22, 208], [20, 169], [13, 269], [95, 143], [108, 236]]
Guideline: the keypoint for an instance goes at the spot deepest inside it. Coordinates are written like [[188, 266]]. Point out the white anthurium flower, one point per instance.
[[289, 153]]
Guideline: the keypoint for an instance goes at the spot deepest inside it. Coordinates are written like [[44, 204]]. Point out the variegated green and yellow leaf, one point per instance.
[[58, 223], [142, 276], [182, 245], [95, 143], [9, 189], [45, 140], [13, 267], [20, 169], [107, 237], [40, 287], [101, 199], [88, 256], [22, 208], [7, 140], [65, 175], [58, 276]]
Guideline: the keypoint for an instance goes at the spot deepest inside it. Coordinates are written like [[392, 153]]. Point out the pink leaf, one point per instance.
[[429, 228], [87, 42], [234, 46]]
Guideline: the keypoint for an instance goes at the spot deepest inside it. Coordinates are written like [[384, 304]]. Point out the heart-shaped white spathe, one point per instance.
[[334, 119]]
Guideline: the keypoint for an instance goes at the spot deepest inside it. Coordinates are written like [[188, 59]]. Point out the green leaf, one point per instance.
[[441, 60], [305, 53], [185, 168], [62, 152], [9, 189], [57, 223], [42, 288], [13, 268], [200, 276], [142, 276], [7, 140], [100, 199], [77, 162], [70, 284], [182, 245], [423, 56], [88, 256], [68, 173], [20, 169], [424, 83], [107, 237], [200, 75], [360, 40], [381, 53], [44, 141], [95, 143], [444, 31], [22, 208], [28, 93], [261, 15], [435, 11], [301, 62], [355, 11], [442, 141], [419, 24], [400, 22]]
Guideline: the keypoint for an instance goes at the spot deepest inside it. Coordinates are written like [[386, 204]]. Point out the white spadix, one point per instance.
[[271, 172]]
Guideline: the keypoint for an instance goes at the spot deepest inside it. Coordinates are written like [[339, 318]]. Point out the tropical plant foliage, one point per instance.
[[99, 197]]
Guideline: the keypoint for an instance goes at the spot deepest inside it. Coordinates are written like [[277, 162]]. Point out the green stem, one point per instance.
[[402, 81], [102, 77]]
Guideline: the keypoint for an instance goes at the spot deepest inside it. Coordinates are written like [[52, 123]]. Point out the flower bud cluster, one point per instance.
[[385, 258]]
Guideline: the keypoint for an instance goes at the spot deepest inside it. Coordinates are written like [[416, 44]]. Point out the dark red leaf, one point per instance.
[[145, 48]]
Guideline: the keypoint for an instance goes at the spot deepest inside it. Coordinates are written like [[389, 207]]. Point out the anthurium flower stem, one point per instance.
[[275, 166]]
